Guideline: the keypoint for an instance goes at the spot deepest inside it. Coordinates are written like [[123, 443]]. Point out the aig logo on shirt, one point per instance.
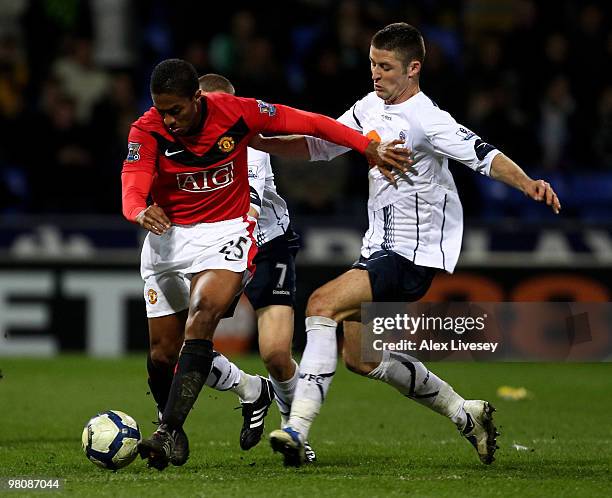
[[206, 180]]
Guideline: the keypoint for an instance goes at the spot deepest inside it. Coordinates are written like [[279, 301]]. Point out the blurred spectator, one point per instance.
[[114, 113], [10, 12], [113, 16], [349, 29], [80, 78], [336, 67], [227, 50], [197, 53], [258, 66], [555, 61], [521, 46], [112, 117], [557, 108], [487, 70], [325, 78], [590, 73], [440, 80], [63, 178], [590, 40]]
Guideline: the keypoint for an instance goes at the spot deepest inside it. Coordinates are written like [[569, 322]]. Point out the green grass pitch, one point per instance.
[[370, 441]]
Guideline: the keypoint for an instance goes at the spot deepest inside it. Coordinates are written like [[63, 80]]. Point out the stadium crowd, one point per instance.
[[533, 77]]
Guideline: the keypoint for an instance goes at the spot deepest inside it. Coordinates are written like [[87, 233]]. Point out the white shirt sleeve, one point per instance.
[[452, 140], [257, 162], [321, 150]]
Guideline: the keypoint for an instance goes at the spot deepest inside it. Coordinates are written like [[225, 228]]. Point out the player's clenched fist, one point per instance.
[[153, 219]]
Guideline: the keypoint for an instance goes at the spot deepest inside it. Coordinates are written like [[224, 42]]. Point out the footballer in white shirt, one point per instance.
[[415, 230]]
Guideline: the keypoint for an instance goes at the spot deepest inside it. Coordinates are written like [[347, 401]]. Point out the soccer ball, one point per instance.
[[110, 439]]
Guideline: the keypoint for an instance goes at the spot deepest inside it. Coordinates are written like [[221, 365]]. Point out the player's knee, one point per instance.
[[163, 356], [204, 315], [319, 304], [278, 363]]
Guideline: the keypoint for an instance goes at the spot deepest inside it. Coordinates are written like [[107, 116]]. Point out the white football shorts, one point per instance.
[[169, 261]]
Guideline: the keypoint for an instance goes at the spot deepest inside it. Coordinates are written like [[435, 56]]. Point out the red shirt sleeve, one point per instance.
[[275, 118], [138, 172]]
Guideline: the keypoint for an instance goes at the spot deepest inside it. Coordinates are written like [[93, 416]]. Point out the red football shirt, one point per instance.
[[203, 177]]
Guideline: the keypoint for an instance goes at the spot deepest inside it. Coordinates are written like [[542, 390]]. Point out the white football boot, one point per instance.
[[288, 442], [479, 429]]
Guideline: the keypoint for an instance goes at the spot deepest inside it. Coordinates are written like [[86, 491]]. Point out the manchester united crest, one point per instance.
[[152, 295], [226, 144]]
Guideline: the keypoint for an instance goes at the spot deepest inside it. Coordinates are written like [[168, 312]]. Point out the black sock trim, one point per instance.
[[201, 347]]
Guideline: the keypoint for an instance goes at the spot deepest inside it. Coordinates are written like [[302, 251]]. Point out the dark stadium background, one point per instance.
[[533, 78]]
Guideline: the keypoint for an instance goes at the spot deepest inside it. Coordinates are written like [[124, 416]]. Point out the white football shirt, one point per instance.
[[273, 218], [421, 218]]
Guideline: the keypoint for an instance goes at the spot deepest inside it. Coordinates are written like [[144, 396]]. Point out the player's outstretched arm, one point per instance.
[[506, 170], [385, 155], [290, 120], [293, 146]]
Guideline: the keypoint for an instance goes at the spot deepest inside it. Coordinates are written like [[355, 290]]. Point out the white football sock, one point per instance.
[[411, 378], [226, 376], [317, 369], [283, 391]]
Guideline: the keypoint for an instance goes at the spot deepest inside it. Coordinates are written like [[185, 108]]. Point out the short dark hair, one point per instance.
[[403, 39], [174, 77], [212, 82]]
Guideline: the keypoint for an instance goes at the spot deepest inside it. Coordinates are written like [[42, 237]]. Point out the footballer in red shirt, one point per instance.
[[188, 155]]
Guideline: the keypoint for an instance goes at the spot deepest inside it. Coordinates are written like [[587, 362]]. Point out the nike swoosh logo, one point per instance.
[[469, 425], [168, 153]]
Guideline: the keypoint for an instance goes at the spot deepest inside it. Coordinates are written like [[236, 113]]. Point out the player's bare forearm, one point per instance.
[[506, 170], [290, 146]]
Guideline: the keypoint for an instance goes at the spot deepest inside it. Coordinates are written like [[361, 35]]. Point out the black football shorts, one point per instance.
[[394, 278], [274, 279]]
